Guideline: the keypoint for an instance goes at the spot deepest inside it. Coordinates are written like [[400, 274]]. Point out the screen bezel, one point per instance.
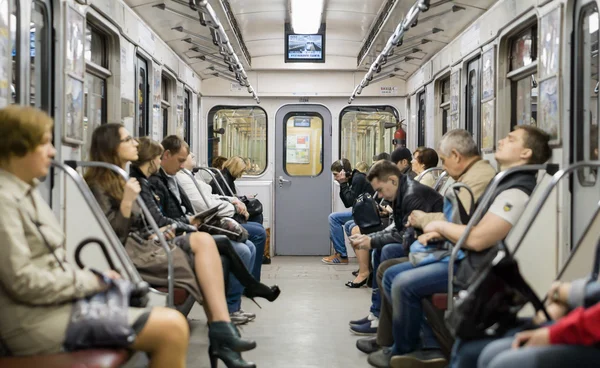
[[289, 32]]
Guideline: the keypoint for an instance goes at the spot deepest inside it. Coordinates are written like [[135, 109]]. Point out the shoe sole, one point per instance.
[[367, 351], [363, 333], [411, 362], [334, 264]]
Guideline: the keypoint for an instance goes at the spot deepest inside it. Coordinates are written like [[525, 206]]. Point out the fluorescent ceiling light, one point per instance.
[[306, 16]]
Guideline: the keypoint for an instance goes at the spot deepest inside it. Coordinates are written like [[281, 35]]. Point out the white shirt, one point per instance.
[[188, 186], [509, 205]]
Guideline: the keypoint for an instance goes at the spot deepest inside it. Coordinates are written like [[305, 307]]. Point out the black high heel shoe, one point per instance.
[[231, 358], [226, 335], [262, 291], [356, 285]]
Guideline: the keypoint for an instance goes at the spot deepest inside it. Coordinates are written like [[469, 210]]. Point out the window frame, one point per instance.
[[421, 114], [47, 61], [18, 57], [165, 103], [99, 71], [444, 106], [473, 123], [187, 116], [142, 130], [210, 132], [365, 108], [311, 114]]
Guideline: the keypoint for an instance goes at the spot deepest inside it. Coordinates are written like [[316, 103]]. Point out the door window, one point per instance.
[[444, 91], [473, 100], [421, 120], [40, 43], [187, 117], [303, 154], [523, 76], [142, 98]]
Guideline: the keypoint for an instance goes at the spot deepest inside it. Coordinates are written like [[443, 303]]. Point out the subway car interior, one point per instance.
[[343, 183]]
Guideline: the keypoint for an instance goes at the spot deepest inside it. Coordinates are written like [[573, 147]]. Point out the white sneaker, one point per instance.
[[250, 316]]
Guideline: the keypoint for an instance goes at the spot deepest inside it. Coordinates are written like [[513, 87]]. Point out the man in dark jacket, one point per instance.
[[352, 185], [406, 196], [403, 158]]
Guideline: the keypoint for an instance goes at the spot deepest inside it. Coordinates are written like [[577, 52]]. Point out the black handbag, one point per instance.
[[253, 205], [490, 305], [365, 213]]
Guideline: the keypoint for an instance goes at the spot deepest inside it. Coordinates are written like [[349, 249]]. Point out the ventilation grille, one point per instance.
[[236, 30], [389, 5]]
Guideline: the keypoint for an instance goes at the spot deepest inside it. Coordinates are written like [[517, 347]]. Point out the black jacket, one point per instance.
[[354, 187], [411, 196], [168, 201], [152, 201], [230, 181]]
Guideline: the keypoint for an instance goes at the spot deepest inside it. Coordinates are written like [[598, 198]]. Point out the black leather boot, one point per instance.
[[226, 335]]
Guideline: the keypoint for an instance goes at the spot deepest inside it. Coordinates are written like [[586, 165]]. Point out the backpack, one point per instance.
[[454, 211]]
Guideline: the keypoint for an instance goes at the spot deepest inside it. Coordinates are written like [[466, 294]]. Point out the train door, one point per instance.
[[473, 99], [585, 185], [302, 180]]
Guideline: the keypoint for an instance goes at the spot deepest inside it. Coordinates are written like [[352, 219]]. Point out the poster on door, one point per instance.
[[297, 149]]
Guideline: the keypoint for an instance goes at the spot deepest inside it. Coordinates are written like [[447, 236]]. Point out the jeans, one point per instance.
[[348, 226], [405, 286], [247, 252], [389, 251], [258, 236], [499, 354], [336, 231]]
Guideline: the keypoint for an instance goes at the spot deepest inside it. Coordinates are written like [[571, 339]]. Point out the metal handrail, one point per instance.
[[395, 40], [212, 175], [430, 170], [226, 184], [490, 193], [89, 198], [188, 173], [439, 181], [148, 215]]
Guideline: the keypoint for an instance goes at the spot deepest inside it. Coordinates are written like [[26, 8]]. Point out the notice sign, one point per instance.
[[235, 87], [297, 149], [388, 90]]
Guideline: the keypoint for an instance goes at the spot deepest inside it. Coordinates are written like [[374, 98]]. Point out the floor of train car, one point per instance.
[[307, 326]]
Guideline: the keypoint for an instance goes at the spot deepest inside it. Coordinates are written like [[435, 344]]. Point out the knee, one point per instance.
[[172, 324], [251, 247], [243, 250], [355, 230], [332, 218], [199, 240]]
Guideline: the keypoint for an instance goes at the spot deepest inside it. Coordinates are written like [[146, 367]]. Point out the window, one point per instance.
[[142, 121], [421, 120], [165, 104], [95, 105], [187, 117], [523, 76], [239, 131], [41, 61], [586, 123], [473, 100], [304, 144], [15, 24], [366, 131], [444, 88]]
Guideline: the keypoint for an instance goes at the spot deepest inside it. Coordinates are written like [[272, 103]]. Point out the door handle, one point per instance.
[[281, 181]]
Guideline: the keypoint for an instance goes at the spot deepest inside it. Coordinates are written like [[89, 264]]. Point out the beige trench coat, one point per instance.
[[36, 295]]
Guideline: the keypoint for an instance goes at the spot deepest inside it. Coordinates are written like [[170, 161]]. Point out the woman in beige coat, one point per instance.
[[37, 293]]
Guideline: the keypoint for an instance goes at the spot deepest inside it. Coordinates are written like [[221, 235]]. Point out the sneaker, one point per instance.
[[367, 329], [362, 321], [367, 345], [237, 318], [250, 316], [420, 359], [336, 259], [380, 358]]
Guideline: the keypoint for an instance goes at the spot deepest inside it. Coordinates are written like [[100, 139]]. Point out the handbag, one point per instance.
[[365, 214], [253, 205], [224, 226], [490, 305]]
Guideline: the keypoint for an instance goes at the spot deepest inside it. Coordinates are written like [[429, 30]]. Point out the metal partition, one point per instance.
[[430, 170], [212, 175], [440, 181], [163, 242], [489, 195]]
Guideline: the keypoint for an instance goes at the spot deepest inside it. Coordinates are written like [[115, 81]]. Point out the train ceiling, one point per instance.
[[356, 30]]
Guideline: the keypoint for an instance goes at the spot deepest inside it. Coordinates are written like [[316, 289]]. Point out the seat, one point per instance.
[[78, 359], [180, 295], [440, 301]]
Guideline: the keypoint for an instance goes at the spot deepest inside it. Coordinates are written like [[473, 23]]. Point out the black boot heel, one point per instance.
[[226, 335], [231, 358]]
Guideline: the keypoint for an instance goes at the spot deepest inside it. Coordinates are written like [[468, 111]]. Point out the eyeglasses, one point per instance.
[[127, 139]]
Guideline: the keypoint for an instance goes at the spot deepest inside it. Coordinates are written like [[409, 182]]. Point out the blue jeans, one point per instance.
[[389, 251], [406, 285], [247, 252], [336, 230], [258, 236], [348, 226]]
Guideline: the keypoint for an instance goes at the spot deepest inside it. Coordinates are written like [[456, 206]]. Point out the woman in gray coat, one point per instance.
[[37, 293]]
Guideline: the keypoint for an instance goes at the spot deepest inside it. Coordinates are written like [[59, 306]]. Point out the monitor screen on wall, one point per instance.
[[305, 48]]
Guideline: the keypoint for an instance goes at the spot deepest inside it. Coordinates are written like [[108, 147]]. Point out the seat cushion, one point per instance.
[[78, 359], [440, 301], [179, 294]]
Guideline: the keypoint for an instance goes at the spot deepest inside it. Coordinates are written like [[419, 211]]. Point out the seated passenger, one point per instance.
[[407, 196], [352, 185], [402, 158], [425, 158], [218, 162], [112, 143], [231, 206], [405, 285], [461, 160], [362, 167], [38, 293], [573, 334], [233, 169]]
